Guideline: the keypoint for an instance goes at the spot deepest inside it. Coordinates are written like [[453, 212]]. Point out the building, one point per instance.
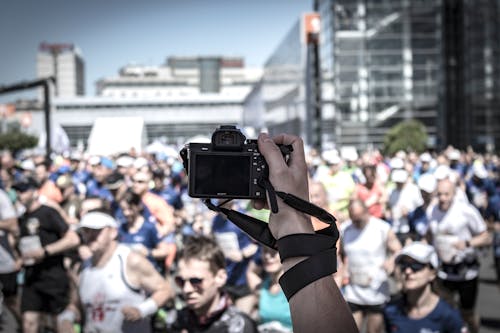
[[65, 63], [382, 62], [183, 98]]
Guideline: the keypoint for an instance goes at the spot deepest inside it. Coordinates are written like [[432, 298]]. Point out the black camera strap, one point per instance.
[[319, 248], [259, 230]]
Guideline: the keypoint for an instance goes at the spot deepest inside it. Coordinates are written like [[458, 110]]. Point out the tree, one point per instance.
[[15, 140], [409, 135]]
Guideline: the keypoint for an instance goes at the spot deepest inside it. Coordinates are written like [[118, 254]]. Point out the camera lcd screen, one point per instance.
[[222, 175]]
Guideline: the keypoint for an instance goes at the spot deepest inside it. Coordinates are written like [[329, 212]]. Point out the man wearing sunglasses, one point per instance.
[[120, 290], [420, 309], [200, 279]]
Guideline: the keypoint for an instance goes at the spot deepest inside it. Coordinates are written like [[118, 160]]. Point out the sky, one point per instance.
[[114, 33]]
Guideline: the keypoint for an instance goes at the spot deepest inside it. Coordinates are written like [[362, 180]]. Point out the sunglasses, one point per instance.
[[414, 266], [194, 282], [88, 235], [140, 181]]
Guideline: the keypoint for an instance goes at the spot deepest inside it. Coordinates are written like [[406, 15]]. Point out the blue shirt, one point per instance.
[[274, 307], [443, 319], [419, 223], [236, 271]]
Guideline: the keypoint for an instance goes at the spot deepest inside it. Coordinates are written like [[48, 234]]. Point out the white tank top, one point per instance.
[[366, 251], [103, 293]]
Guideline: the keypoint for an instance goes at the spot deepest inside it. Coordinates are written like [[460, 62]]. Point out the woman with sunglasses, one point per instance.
[[420, 309]]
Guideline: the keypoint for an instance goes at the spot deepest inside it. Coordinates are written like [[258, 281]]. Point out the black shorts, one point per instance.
[[467, 291], [377, 308], [39, 299], [9, 284]]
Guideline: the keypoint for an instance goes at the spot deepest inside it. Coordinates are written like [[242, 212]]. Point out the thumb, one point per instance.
[[271, 153]]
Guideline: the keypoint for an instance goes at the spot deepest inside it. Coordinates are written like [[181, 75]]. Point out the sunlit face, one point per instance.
[[200, 294], [357, 214], [445, 194], [318, 195], [140, 183], [413, 274]]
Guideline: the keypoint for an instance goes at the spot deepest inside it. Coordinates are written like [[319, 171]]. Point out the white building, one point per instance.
[[65, 63], [185, 97]]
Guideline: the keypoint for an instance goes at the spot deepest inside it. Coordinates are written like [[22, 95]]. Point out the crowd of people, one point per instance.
[[115, 244]]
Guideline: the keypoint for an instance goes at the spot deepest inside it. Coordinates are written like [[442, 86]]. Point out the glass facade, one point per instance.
[[383, 58], [385, 61]]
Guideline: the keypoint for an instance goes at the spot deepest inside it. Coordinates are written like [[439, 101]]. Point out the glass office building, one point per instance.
[[385, 61]]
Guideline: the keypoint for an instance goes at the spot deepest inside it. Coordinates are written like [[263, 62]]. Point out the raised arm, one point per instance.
[[319, 306]]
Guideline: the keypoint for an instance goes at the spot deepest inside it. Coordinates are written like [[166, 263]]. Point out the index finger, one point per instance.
[[297, 156]]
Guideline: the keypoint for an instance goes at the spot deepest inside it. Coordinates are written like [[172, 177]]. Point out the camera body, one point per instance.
[[230, 166]]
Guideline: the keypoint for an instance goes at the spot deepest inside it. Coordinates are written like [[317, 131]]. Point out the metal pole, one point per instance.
[[46, 109], [46, 92]]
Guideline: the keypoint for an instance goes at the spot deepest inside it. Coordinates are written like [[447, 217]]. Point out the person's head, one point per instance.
[[140, 182], [445, 193], [115, 183], [41, 173], [102, 169], [399, 177], [201, 273], [158, 179], [318, 194], [427, 185], [425, 160], [92, 204], [271, 261], [370, 173], [131, 206], [26, 190], [98, 231], [358, 213], [416, 266]]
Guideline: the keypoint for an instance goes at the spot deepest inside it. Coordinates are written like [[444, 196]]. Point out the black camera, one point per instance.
[[229, 167]]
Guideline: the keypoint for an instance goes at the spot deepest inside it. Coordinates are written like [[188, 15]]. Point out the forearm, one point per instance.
[[70, 240], [320, 307], [483, 239], [10, 225]]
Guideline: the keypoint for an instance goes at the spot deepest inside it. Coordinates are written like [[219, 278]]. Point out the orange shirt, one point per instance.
[[160, 209], [51, 191]]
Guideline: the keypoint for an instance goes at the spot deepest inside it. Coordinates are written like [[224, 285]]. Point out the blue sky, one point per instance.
[[112, 33]]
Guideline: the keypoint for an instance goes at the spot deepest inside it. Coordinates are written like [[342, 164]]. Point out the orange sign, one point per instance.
[[311, 27]]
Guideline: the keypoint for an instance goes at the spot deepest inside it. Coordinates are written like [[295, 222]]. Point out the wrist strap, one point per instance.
[[304, 245], [308, 271]]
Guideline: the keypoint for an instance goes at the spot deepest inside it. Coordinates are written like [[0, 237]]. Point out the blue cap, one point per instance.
[[106, 162]]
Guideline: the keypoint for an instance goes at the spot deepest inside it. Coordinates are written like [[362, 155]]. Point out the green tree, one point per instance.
[[14, 140], [409, 135]]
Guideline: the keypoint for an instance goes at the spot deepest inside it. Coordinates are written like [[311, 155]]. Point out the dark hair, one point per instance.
[[203, 248], [131, 198]]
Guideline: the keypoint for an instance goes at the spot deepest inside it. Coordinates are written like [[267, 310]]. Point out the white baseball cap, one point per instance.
[[421, 252], [399, 176], [396, 163], [427, 182], [426, 157], [480, 171], [97, 220]]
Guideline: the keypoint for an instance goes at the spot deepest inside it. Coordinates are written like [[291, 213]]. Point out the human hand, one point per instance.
[[289, 178], [131, 313], [32, 256]]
